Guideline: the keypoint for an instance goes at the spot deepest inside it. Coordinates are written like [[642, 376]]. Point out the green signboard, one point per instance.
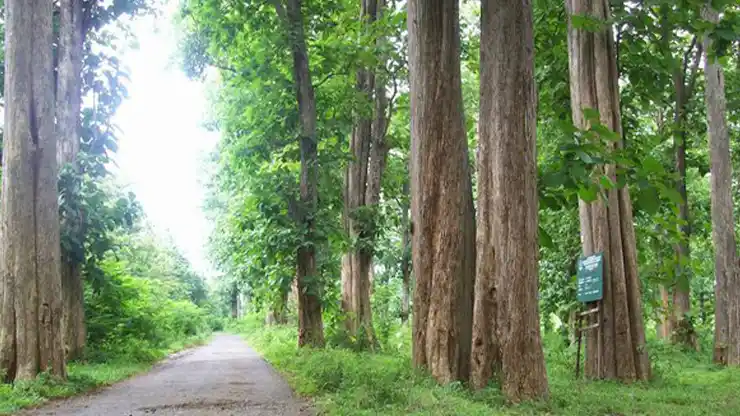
[[591, 278]]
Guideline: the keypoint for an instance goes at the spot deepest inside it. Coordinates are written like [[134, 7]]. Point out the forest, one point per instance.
[[407, 201]]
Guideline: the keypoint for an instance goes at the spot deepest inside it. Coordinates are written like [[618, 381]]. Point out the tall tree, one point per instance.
[[683, 68], [310, 323], [606, 223], [68, 106], [361, 192], [31, 339], [506, 321], [443, 223], [727, 311]]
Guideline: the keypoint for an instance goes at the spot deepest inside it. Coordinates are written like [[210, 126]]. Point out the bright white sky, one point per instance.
[[163, 142]]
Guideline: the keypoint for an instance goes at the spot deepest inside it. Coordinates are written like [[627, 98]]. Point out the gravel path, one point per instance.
[[222, 378]]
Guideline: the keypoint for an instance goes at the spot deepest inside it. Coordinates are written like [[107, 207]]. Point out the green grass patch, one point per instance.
[[84, 377], [345, 382]]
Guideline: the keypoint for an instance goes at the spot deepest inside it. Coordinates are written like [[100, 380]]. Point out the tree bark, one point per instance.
[[506, 321], [727, 327], [31, 339], [310, 321], [68, 106], [607, 225], [443, 239]]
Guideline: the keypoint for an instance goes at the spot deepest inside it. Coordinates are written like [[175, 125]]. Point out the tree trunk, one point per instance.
[[443, 239], [405, 256], [68, 106], [234, 302], [665, 326], [310, 323], [31, 339], [362, 190], [727, 328], [682, 329], [607, 226], [506, 321], [356, 262]]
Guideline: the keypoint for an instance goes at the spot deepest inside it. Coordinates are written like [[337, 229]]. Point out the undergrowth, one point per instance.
[[88, 375], [347, 383]]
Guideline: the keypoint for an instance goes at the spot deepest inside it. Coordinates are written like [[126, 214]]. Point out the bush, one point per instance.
[[138, 317]]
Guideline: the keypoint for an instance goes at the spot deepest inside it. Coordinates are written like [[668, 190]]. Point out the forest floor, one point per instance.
[[223, 378], [344, 382]]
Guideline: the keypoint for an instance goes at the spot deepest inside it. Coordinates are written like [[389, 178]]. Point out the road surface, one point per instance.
[[223, 378]]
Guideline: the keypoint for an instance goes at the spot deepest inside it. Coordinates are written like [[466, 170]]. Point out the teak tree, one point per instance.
[[362, 193], [506, 321], [443, 223], [68, 106], [31, 339], [310, 321], [727, 305], [606, 224]]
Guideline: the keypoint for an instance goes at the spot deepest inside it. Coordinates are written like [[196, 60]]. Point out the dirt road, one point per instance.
[[223, 378]]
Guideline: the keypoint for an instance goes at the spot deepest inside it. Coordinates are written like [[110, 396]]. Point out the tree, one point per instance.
[[443, 223], [31, 339], [606, 223], [68, 106], [359, 194], [506, 321], [310, 324], [727, 310]]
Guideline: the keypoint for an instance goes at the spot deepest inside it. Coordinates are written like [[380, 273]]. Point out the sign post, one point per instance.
[[590, 290]]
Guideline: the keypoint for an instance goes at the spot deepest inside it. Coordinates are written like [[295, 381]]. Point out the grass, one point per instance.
[[347, 383], [83, 377]]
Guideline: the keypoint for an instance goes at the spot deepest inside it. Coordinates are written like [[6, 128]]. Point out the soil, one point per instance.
[[223, 378]]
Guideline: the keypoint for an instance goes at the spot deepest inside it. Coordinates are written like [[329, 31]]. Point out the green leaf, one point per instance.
[[584, 156], [588, 194], [544, 238], [648, 200]]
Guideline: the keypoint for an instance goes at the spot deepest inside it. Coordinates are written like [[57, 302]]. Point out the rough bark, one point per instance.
[[31, 332], [68, 105], [506, 322], [443, 223], [606, 224], [310, 321], [727, 327]]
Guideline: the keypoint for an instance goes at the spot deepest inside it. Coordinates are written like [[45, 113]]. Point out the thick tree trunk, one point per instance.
[[310, 323], [607, 226], [405, 258], [727, 327], [506, 321], [443, 222], [31, 339], [68, 105]]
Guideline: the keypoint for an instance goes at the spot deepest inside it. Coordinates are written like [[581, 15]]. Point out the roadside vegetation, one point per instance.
[[346, 382]]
